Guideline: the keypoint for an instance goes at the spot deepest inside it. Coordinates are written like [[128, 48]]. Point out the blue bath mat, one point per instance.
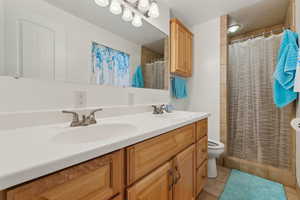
[[243, 186]]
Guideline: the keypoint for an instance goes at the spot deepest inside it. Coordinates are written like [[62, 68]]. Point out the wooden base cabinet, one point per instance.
[[172, 166]]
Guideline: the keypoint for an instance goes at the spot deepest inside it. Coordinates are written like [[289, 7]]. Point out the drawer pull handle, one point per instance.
[[178, 177], [204, 150], [171, 175]]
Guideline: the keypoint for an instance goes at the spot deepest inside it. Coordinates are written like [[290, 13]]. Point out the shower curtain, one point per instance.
[[258, 131], [154, 75]]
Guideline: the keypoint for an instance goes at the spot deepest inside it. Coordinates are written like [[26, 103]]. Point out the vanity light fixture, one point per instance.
[[143, 5], [115, 7], [132, 1], [234, 28], [102, 3], [137, 21], [154, 10], [127, 15], [133, 10]]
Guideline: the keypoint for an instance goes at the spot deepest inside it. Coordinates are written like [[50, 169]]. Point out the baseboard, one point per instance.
[[298, 190], [283, 176]]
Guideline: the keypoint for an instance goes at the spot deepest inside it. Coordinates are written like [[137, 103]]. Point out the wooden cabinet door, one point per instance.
[[155, 186], [201, 177], [144, 157], [181, 49], [184, 175], [98, 179]]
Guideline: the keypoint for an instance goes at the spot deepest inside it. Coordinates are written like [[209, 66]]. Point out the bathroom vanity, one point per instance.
[[165, 158]]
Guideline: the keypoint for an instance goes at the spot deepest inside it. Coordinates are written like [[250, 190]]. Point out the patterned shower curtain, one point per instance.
[[154, 75], [109, 66], [258, 131]]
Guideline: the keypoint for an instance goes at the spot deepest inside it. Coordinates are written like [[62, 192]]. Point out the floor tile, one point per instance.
[[291, 193], [206, 196]]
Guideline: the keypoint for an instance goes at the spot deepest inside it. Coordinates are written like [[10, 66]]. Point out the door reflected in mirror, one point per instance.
[[79, 42]]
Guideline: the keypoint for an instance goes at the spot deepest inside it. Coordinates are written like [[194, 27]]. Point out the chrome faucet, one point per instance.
[[86, 120], [158, 109]]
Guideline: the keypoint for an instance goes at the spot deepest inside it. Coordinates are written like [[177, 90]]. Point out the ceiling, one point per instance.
[[252, 14]]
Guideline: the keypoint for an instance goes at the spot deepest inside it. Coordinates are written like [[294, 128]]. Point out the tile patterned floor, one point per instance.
[[215, 187]]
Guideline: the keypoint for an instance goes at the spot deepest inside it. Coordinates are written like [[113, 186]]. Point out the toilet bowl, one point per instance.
[[215, 149]]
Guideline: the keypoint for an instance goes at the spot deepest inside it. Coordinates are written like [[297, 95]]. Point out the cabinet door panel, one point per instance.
[[144, 157], [202, 151], [156, 186], [184, 186], [100, 179], [201, 177]]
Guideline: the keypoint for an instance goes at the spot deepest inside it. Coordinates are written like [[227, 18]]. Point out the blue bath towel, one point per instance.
[[138, 79], [179, 87], [284, 75]]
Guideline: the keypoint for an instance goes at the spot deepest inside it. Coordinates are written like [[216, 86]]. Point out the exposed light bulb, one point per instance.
[[234, 28], [115, 7], [132, 1], [137, 21], [127, 15], [102, 3], [154, 10], [144, 5]]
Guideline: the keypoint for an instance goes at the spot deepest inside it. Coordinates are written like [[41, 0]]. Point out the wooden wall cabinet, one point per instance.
[[181, 49]]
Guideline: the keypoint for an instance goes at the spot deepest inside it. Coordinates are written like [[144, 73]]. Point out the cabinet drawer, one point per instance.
[[144, 157], [100, 179], [201, 177], [202, 129], [202, 153]]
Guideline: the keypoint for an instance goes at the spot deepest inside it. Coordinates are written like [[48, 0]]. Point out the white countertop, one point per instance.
[[29, 153]]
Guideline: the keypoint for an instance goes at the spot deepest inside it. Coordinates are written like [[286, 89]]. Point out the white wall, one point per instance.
[[204, 86], [298, 106], [1, 37], [73, 39]]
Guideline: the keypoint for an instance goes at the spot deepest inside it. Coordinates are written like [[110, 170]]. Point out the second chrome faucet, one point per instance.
[[85, 121]]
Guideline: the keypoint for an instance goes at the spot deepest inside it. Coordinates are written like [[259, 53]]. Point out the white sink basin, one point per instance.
[[94, 133]]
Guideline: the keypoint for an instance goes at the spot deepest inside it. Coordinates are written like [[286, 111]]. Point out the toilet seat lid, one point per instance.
[[215, 145]]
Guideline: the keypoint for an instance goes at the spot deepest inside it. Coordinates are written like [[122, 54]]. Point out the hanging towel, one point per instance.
[[138, 79], [179, 87], [285, 70]]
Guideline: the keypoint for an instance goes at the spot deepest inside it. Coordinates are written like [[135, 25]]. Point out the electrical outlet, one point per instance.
[[131, 99], [80, 99]]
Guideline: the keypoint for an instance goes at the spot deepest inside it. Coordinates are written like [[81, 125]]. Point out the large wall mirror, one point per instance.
[[76, 41]]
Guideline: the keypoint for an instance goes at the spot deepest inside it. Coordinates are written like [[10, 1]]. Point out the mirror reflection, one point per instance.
[[80, 42]]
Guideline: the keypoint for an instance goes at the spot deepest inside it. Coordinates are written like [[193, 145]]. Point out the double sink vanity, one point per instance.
[[138, 156]]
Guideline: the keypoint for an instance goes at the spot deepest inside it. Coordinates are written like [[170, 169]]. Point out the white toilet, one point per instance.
[[215, 149]]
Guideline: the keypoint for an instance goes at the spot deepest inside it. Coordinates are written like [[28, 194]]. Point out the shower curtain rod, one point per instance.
[[280, 30]]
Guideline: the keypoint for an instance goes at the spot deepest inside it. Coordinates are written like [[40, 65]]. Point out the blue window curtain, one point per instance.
[[109, 66]]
